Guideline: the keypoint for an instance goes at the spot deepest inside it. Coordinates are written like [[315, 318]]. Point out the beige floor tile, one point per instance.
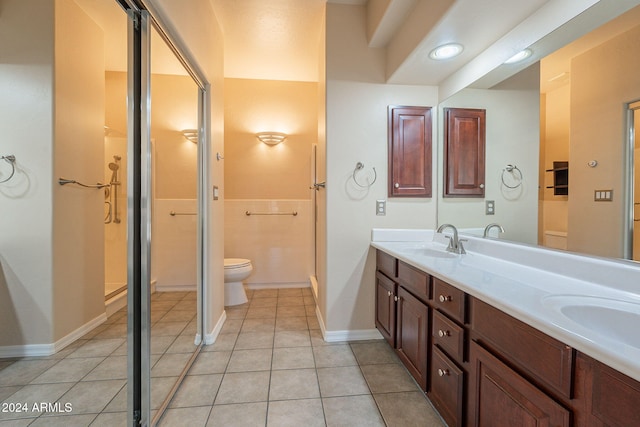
[[31, 394], [408, 409], [250, 360], [317, 339], [342, 381], [291, 324], [231, 326], [290, 301], [352, 411], [253, 340], [197, 390], [91, 396], [167, 328], [237, 312], [239, 415], [24, 371], [295, 413], [211, 362], [17, 423], [292, 358], [8, 391], [334, 355], [224, 342], [160, 388], [170, 365], [258, 325], [264, 302], [110, 419], [312, 322], [96, 348], [181, 417], [388, 378], [68, 370], [243, 387], [265, 293], [178, 316], [111, 368], [297, 338], [159, 345], [182, 344], [293, 384], [260, 313], [117, 330], [374, 353], [289, 292], [64, 421], [291, 311]]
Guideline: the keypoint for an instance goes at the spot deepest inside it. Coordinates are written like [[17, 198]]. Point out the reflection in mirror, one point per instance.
[[568, 107]]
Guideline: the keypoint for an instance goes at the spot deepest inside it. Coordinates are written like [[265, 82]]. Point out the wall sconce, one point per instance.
[[271, 138], [191, 135]]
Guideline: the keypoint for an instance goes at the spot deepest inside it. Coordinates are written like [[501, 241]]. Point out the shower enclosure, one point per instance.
[[115, 228]]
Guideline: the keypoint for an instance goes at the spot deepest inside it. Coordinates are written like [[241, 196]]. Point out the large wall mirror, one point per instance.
[[572, 106]]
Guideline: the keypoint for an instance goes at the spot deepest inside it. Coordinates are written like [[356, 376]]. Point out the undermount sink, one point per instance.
[[429, 251], [616, 319]]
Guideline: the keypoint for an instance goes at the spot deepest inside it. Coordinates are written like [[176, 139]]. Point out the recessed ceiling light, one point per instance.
[[446, 51], [520, 56]]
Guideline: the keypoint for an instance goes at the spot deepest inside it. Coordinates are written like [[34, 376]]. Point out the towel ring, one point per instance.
[[511, 169], [11, 159], [360, 166]]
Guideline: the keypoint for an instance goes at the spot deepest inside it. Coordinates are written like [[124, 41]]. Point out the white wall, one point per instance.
[[356, 104]]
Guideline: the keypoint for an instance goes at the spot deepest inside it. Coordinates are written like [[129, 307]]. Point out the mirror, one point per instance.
[[571, 106]]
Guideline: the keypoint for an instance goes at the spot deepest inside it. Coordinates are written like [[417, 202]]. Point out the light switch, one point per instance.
[[603, 195], [215, 192]]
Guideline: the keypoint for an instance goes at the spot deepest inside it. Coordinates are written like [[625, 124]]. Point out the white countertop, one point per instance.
[[589, 303]]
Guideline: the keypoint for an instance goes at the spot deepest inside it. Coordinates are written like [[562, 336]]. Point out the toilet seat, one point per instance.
[[231, 263]]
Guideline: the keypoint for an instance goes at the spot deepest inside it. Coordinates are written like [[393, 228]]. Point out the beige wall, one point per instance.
[[356, 103], [78, 216], [603, 80], [254, 170], [320, 196], [26, 123]]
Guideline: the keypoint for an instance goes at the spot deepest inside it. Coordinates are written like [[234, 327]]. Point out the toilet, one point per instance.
[[235, 271]]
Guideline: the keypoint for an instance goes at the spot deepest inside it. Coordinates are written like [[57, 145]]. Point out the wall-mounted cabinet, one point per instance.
[[409, 151], [464, 152]]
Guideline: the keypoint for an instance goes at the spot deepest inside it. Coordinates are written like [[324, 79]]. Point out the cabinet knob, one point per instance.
[[481, 185], [443, 372], [388, 293], [445, 298], [443, 333], [397, 185], [395, 298]]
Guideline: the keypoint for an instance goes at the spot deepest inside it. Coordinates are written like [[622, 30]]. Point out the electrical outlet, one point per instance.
[[381, 207], [489, 207]]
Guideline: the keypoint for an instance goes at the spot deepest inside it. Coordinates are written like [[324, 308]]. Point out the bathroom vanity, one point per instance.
[[511, 334]]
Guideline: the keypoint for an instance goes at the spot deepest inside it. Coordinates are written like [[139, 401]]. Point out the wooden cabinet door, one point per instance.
[[386, 307], [412, 333], [446, 391], [409, 151], [500, 397], [464, 152]]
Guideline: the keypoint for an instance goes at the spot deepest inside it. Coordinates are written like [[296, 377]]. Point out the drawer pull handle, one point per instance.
[[443, 333], [388, 293], [445, 298], [443, 372]]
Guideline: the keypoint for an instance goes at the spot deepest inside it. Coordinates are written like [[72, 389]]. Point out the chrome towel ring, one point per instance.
[[359, 167], [517, 176], [11, 159]]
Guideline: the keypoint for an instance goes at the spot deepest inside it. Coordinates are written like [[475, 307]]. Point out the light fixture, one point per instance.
[[191, 135], [271, 138], [446, 51], [520, 56]]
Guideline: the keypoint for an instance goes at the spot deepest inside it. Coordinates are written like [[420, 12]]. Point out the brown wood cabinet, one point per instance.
[[464, 152], [481, 367], [412, 335], [501, 397], [410, 150]]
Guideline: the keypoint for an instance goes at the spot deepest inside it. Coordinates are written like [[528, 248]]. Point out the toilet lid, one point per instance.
[[236, 262]]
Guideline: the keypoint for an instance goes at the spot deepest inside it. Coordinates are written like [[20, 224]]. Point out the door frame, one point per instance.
[[630, 166]]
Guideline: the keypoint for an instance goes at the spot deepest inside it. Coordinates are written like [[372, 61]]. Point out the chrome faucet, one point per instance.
[[455, 244], [490, 226]]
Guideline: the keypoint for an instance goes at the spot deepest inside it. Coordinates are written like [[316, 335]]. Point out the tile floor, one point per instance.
[[268, 367]]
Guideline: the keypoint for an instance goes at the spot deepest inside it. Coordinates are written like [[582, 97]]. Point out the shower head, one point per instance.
[[114, 166]]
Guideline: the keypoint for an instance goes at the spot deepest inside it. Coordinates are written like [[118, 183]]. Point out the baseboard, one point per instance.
[[256, 286], [347, 335], [31, 350], [313, 280], [176, 288], [211, 337], [116, 303]]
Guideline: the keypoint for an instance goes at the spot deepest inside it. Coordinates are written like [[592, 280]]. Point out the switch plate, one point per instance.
[[603, 195], [489, 207], [381, 207], [215, 192]]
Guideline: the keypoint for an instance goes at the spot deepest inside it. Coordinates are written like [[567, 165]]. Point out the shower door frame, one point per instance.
[[630, 218]]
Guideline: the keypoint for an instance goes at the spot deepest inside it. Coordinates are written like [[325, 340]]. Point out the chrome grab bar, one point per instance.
[[249, 213], [64, 181], [174, 213]]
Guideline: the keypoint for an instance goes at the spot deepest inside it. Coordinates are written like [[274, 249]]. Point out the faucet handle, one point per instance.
[[450, 247], [461, 246]]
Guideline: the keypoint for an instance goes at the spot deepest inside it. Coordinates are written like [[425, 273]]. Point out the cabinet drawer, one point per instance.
[[414, 280], [449, 299], [387, 264], [543, 359], [448, 336], [447, 388]]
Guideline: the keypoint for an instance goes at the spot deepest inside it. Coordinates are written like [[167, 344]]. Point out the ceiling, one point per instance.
[[282, 39]]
